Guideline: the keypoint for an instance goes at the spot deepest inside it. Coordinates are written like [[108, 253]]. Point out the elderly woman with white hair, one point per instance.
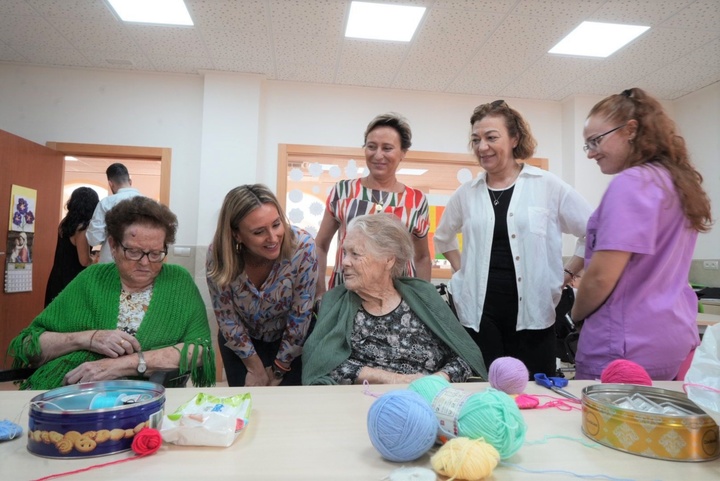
[[380, 327]]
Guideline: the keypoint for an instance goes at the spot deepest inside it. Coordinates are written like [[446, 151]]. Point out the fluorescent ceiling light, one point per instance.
[[593, 39], [163, 12], [378, 21], [411, 171], [70, 158]]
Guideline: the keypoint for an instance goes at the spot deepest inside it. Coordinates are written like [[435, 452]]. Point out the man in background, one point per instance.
[[121, 186]]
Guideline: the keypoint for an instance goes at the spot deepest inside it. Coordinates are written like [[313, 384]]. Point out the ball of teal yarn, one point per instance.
[[494, 416], [429, 386], [490, 414], [402, 426]]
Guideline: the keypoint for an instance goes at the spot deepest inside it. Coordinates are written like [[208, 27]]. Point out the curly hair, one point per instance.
[[227, 258], [658, 142], [385, 236], [144, 211], [394, 121], [81, 206], [514, 123]]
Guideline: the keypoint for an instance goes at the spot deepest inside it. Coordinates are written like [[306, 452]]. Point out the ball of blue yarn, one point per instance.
[[402, 426], [489, 414]]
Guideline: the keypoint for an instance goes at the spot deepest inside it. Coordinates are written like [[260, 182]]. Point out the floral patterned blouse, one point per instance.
[[280, 308], [398, 342], [133, 306]]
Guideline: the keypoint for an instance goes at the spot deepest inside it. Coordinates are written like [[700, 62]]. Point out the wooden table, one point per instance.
[[319, 433]]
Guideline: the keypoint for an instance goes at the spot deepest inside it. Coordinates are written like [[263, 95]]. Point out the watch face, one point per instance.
[[142, 365], [278, 373]]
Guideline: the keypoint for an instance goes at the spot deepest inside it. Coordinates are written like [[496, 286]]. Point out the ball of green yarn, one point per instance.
[[490, 414]]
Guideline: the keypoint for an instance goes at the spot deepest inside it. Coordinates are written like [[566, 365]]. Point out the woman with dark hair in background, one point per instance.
[[72, 253]]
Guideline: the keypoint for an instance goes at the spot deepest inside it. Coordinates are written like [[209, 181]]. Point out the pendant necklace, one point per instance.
[[496, 200], [379, 202]]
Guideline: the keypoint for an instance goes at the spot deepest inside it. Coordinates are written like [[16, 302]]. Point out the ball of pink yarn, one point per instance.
[[508, 375], [622, 371]]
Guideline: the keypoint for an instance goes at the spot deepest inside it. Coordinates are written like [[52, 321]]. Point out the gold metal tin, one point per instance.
[[692, 437]]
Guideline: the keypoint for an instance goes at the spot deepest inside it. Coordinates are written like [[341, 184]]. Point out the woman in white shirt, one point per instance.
[[510, 273]]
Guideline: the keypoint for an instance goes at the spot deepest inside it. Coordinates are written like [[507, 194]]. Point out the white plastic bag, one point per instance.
[[207, 420], [702, 381]]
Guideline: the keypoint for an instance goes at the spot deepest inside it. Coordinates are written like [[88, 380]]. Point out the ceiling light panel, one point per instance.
[[379, 21]]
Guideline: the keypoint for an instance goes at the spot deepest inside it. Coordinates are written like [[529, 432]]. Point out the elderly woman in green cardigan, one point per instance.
[[382, 328], [124, 319]]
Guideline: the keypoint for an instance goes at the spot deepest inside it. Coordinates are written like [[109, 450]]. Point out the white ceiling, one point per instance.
[[494, 48]]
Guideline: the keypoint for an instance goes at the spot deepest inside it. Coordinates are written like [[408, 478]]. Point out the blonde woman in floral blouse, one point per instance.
[[261, 273]]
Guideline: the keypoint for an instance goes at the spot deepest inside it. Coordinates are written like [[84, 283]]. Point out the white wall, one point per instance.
[[117, 108], [223, 129], [698, 119]]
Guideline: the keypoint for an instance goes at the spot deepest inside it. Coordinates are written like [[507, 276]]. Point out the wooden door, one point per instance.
[[35, 166]]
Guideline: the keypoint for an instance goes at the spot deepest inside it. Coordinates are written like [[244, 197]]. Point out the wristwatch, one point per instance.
[[142, 365], [277, 372]]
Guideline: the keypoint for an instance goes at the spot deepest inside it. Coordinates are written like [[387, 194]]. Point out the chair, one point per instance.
[[566, 331], [168, 378]]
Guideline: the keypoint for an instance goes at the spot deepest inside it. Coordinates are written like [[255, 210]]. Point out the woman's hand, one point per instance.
[[257, 378], [100, 370], [113, 343]]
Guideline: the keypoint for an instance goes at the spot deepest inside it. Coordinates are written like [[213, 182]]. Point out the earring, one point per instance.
[[237, 248]]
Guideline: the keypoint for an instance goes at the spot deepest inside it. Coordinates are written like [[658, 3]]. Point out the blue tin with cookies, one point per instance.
[[93, 419]]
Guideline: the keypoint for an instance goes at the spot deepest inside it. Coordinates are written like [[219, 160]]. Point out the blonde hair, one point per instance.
[[227, 259], [385, 236], [657, 142]]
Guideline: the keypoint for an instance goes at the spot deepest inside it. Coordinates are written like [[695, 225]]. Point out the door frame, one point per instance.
[[163, 154]]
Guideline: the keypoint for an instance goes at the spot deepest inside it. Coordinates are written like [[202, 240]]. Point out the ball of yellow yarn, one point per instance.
[[465, 458]]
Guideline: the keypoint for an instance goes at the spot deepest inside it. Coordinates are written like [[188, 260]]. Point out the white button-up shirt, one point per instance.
[[96, 233], [542, 208]]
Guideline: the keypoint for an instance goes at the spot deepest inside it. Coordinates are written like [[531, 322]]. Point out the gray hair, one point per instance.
[[385, 236]]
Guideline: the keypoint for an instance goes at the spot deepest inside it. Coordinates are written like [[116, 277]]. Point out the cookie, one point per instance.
[[45, 436], [90, 434], [72, 435], [139, 427], [65, 446], [117, 434], [129, 433], [37, 436], [55, 437], [102, 436], [84, 444]]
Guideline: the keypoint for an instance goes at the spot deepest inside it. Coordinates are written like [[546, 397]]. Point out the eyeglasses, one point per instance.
[[592, 144], [137, 254]]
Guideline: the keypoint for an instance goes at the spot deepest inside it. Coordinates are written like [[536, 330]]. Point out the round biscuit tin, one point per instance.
[[649, 421], [93, 419]]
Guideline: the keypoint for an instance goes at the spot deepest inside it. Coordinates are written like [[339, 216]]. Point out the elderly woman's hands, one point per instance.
[[100, 370], [113, 343]]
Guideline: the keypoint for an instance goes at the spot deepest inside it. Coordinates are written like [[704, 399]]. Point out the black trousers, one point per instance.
[[498, 336], [236, 371]]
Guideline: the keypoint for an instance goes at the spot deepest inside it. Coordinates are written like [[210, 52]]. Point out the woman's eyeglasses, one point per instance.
[[137, 254], [592, 144]]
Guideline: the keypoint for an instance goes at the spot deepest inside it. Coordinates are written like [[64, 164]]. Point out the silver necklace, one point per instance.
[[496, 200]]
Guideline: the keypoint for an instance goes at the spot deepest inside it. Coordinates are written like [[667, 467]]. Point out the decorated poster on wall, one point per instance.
[[21, 237]]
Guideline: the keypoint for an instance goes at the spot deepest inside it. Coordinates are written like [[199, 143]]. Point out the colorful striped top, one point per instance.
[[349, 199]]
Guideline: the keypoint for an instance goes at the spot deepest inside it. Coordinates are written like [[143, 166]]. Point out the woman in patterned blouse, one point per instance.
[[383, 328], [387, 140], [261, 273]]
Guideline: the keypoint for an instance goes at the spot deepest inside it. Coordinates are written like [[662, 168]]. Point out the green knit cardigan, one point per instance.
[[329, 344], [91, 301]]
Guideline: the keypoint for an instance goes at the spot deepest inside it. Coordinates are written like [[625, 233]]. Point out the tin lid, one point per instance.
[[648, 399], [97, 396]]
